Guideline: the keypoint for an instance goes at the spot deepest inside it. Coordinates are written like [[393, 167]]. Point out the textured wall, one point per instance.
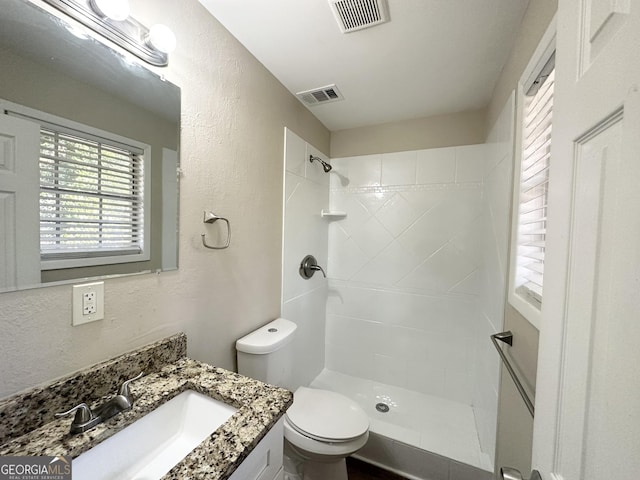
[[233, 114], [534, 23], [515, 425], [450, 130]]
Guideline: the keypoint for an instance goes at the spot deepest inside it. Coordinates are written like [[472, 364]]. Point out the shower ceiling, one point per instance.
[[432, 57]]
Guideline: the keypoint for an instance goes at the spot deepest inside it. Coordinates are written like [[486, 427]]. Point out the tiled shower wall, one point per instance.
[[306, 193], [417, 267], [404, 268]]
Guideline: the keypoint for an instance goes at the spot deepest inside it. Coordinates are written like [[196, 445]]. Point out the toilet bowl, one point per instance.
[[321, 428]]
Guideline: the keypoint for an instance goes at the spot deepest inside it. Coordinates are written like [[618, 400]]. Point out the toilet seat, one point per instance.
[[326, 416], [324, 426], [321, 451]]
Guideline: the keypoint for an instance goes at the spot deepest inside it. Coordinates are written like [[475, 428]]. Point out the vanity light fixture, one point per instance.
[[111, 19], [113, 9], [161, 38]]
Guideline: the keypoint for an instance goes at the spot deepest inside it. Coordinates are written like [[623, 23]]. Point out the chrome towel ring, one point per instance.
[[210, 217]]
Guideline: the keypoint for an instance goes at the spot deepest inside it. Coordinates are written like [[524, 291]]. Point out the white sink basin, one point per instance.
[[153, 445]]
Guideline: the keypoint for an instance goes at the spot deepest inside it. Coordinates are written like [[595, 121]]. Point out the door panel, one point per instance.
[[601, 21], [587, 424], [596, 163]]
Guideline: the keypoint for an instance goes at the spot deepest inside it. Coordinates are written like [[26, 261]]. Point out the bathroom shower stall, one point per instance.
[[415, 246]]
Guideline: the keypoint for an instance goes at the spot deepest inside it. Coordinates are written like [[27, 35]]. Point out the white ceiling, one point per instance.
[[433, 57]]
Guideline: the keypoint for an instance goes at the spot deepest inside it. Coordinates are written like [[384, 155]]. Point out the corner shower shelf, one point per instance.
[[333, 214]]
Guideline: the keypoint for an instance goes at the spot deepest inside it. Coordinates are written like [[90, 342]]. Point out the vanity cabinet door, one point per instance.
[[265, 461]]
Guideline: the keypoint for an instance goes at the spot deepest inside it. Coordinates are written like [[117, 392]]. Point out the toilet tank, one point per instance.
[[266, 354]]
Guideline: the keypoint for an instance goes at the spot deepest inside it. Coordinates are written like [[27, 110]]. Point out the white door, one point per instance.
[[587, 424], [19, 204]]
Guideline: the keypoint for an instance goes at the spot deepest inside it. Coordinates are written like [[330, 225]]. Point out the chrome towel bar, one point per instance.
[[507, 337]]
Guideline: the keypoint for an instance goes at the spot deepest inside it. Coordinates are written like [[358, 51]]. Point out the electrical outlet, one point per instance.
[[88, 303]]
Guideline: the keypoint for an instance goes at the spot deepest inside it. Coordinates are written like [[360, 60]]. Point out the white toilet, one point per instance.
[[321, 428]]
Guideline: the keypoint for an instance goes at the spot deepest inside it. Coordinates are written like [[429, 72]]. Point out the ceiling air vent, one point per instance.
[[355, 15], [327, 94]]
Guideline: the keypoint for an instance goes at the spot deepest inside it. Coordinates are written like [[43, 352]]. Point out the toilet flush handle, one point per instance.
[[309, 266]]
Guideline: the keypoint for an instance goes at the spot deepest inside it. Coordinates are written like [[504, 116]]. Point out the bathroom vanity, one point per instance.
[[247, 446]]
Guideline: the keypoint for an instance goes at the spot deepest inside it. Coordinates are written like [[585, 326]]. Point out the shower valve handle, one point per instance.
[[318, 268], [309, 266]]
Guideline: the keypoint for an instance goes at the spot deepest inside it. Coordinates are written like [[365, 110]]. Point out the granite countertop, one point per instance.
[[259, 408]]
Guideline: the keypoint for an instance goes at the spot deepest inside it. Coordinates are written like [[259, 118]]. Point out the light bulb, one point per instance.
[[114, 9], [161, 38], [76, 32]]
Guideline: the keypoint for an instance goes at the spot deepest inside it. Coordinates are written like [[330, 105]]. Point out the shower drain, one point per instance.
[[382, 407]]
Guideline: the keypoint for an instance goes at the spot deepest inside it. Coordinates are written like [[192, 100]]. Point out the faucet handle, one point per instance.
[[318, 268], [309, 266], [82, 411], [124, 388]]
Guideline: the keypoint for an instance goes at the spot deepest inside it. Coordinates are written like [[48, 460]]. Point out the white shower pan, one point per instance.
[[415, 422]]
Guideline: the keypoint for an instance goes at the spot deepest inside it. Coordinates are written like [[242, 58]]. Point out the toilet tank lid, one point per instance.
[[268, 338]]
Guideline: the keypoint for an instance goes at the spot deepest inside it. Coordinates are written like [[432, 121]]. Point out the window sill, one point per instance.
[[530, 312]]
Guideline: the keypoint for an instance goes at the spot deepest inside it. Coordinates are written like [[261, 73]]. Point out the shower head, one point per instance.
[[325, 165]]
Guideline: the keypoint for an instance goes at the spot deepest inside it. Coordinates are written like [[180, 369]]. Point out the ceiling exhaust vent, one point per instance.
[[355, 15], [327, 94]]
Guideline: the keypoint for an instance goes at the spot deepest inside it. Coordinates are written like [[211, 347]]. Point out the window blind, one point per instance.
[[534, 181], [91, 196]]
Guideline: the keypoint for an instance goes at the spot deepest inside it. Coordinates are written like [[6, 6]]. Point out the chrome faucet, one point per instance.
[[86, 418]]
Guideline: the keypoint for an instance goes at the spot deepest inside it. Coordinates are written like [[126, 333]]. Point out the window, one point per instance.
[[534, 180], [92, 196], [531, 189]]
